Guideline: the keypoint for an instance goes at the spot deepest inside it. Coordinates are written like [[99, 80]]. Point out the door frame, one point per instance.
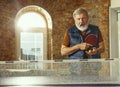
[[113, 33]]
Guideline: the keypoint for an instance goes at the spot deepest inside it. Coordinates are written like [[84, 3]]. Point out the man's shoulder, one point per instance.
[[93, 26], [72, 28]]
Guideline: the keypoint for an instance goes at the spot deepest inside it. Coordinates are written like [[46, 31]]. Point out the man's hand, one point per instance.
[[84, 46], [91, 51]]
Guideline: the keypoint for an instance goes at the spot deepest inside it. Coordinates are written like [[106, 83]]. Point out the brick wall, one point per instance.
[[61, 13]]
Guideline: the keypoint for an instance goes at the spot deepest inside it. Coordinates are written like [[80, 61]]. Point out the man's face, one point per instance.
[[81, 20]]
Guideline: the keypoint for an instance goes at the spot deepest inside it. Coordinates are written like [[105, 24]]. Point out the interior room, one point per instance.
[[52, 14], [31, 34]]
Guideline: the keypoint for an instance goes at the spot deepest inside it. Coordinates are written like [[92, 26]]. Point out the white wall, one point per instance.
[[113, 25], [113, 32], [115, 3], [114, 29], [114, 36]]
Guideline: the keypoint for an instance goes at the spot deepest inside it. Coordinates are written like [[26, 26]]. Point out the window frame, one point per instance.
[[47, 31]]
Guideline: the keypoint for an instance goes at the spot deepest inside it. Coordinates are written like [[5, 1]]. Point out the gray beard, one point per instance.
[[82, 28]]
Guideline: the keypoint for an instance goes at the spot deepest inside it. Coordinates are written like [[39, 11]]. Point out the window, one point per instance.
[[33, 26], [31, 46], [30, 20]]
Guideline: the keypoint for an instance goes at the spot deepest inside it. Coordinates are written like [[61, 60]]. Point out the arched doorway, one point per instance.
[[33, 27]]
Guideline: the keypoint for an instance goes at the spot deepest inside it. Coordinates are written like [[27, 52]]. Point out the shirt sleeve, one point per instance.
[[66, 39], [100, 37]]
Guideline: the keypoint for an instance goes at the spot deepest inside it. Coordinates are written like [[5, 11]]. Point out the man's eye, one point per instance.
[[83, 18]]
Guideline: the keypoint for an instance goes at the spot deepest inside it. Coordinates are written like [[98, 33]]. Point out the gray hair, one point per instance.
[[79, 11]]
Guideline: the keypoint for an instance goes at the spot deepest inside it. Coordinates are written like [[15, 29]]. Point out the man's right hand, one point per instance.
[[84, 46]]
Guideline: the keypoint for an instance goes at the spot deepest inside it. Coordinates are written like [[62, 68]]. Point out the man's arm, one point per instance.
[[65, 50], [101, 47], [68, 50]]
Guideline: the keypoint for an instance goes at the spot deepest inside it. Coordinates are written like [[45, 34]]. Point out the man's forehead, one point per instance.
[[81, 15]]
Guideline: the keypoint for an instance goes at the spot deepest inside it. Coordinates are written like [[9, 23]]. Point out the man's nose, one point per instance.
[[81, 20]]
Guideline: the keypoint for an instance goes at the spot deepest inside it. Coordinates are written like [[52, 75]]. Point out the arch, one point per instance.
[[47, 30]]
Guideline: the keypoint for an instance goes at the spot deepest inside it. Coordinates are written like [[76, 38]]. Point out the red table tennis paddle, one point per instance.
[[91, 39]]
